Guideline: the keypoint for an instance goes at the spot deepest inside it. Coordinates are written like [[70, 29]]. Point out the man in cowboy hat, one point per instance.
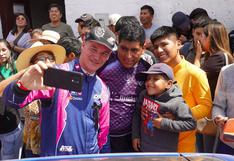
[[72, 122]]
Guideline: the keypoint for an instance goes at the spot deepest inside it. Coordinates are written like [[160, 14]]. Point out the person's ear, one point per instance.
[[179, 43], [169, 84], [71, 56], [143, 50]]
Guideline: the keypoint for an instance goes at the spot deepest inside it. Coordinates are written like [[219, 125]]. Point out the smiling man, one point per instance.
[[55, 14], [72, 122], [119, 75]]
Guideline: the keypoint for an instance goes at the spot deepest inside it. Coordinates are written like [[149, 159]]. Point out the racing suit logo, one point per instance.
[[64, 148]]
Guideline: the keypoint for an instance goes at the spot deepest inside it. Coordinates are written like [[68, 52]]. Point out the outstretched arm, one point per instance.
[[6, 82], [19, 94]]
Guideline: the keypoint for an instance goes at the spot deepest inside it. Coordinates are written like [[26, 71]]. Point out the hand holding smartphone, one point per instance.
[[59, 78]]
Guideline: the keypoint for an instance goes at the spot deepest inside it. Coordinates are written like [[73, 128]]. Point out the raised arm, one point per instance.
[[6, 82]]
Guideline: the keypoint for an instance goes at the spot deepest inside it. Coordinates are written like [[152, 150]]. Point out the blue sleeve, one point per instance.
[[13, 96]]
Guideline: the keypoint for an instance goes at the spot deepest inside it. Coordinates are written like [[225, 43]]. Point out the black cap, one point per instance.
[[86, 18], [159, 68], [103, 36], [181, 21]]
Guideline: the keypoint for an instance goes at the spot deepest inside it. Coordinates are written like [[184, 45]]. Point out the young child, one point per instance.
[[167, 112]]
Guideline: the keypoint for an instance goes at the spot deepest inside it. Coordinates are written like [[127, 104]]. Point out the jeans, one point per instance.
[[12, 144]]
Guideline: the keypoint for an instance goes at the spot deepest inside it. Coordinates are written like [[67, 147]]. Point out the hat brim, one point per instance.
[[44, 40], [142, 75], [79, 20], [23, 61], [114, 48]]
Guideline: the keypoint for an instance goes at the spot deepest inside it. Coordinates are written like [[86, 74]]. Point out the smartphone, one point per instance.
[[59, 78]]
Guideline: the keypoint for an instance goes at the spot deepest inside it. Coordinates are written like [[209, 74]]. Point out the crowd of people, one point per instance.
[[145, 87]]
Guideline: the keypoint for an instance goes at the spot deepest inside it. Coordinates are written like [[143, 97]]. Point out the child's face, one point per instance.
[[156, 84]]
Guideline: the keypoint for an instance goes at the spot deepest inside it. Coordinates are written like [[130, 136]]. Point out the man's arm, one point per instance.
[[6, 82], [220, 98], [18, 94], [13, 96], [202, 96], [220, 102], [136, 121], [104, 118]]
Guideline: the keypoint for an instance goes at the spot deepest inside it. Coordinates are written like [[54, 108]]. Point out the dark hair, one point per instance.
[[162, 32], [26, 28], [6, 43], [198, 12], [149, 8], [55, 5], [231, 40], [10, 61], [201, 22], [132, 33], [71, 44], [125, 21]]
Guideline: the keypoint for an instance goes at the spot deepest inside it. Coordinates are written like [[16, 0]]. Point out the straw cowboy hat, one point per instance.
[[23, 61], [48, 35]]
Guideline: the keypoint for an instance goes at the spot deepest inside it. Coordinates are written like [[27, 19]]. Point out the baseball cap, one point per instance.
[[86, 18], [181, 21], [102, 35], [159, 68]]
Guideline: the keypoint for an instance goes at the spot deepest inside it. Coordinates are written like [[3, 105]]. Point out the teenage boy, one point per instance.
[[157, 133], [191, 80]]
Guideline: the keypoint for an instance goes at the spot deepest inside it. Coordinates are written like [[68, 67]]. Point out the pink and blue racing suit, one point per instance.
[[71, 122]]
